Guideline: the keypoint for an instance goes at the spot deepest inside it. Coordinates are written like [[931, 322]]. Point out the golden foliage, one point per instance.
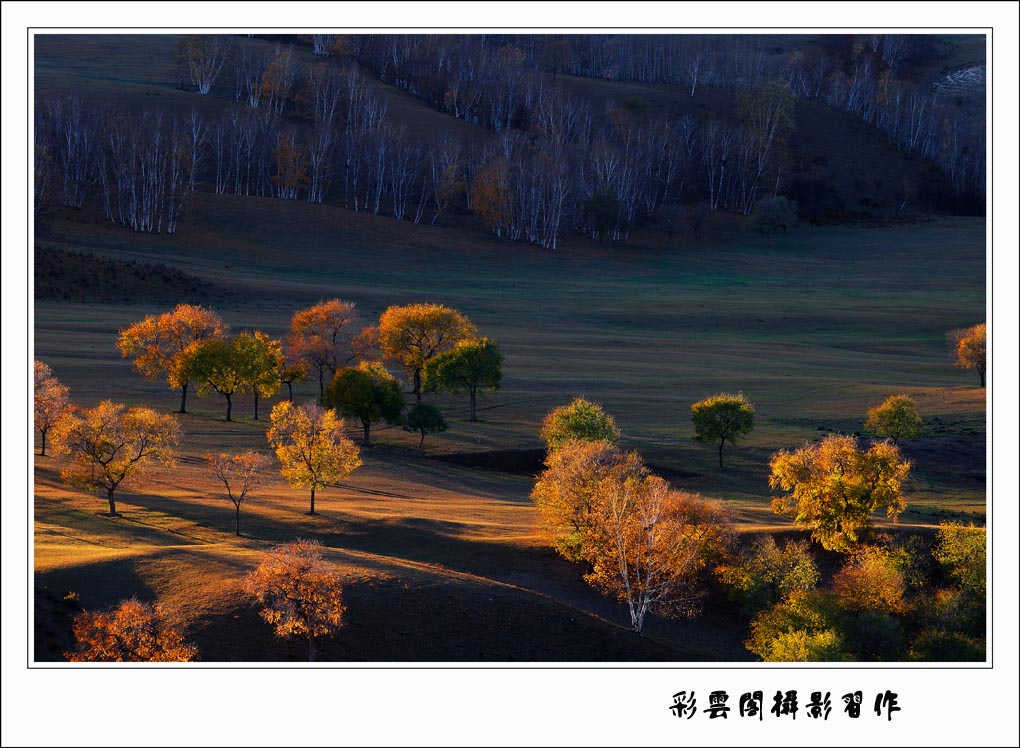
[[413, 334], [320, 337], [131, 632], [648, 543], [564, 493], [969, 349], [110, 443], [896, 418], [491, 196], [310, 444], [300, 592], [50, 401], [833, 487], [870, 583]]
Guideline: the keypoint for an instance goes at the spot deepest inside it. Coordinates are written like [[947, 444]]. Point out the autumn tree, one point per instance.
[[895, 419], [216, 367], [159, 343], [239, 474], [424, 419], [132, 632], [648, 543], [564, 492], [413, 335], [301, 594], [491, 197], [50, 401], [291, 165], [833, 487], [368, 393], [111, 443], [260, 361], [870, 582], [200, 58], [278, 80], [764, 573], [802, 628], [722, 417], [310, 444], [471, 366], [962, 550], [320, 338], [581, 419], [969, 349]]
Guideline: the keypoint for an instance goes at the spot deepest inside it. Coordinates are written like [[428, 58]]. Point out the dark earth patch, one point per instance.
[[62, 275]]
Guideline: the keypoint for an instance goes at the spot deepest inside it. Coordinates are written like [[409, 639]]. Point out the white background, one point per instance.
[[484, 705]]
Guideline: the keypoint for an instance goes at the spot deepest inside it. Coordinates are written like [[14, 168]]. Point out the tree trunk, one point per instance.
[[981, 373], [237, 519], [721, 442], [322, 388], [290, 392], [417, 386], [184, 397], [473, 393], [113, 505], [256, 406], [230, 406], [366, 425], [43, 432], [421, 442], [312, 510], [311, 648]]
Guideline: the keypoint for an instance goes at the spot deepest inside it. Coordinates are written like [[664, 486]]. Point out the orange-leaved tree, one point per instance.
[[648, 545], [50, 401], [132, 632], [310, 444], [564, 492], [969, 349], [412, 335], [112, 443], [240, 474], [321, 338], [491, 197], [159, 343], [834, 486], [301, 593]]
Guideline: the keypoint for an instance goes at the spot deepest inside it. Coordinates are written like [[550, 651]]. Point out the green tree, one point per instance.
[[962, 550], [424, 419], [721, 417], [763, 573], [471, 366], [802, 628], [555, 56], [260, 359], [895, 419], [581, 419], [602, 211], [216, 367], [368, 393], [833, 487]]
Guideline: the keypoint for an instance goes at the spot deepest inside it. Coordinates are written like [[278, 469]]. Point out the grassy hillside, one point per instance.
[[441, 546]]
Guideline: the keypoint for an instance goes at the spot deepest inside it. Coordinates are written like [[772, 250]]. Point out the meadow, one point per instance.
[[814, 329]]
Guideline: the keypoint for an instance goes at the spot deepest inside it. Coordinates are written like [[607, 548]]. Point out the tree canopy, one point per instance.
[[132, 632], [833, 487], [321, 338], [722, 417], [969, 349], [425, 419], [368, 393], [160, 343], [310, 444], [581, 419], [414, 334], [471, 366], [50, 401], [240, 474], [896, 418], [301, 594], [111, 443]]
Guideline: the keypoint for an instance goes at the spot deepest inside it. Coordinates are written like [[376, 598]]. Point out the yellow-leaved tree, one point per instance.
[[310, 444], [112, 443], [413, 335], [301, 593], [834, 486], [51, 400]]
